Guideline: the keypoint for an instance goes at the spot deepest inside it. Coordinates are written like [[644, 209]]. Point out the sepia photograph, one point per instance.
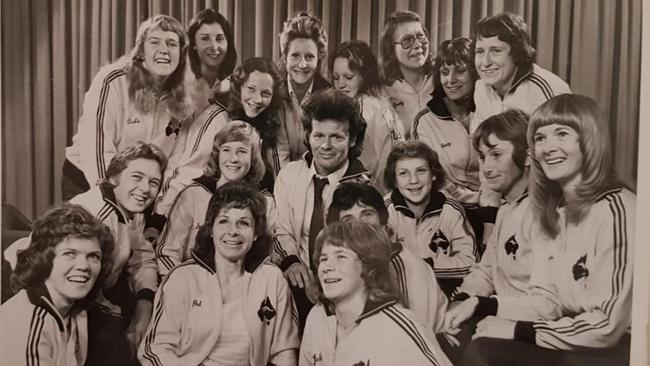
[[324, 182]]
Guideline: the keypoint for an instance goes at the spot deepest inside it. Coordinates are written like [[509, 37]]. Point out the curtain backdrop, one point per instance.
[[52, 49]]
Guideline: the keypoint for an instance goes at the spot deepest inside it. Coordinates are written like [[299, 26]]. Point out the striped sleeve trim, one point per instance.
[[34, 336], [168, 183], [104, 212], [618, 276], [416, 123], [101, 113], [165, 233], [149, 354], [466, 224], [411, 330], [400, 272], [276, 159], [204, 128], [542, 84], [452, 272], [277, 247]]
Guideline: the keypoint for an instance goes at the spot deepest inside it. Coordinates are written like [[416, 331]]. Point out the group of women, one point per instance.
[[225, 131]]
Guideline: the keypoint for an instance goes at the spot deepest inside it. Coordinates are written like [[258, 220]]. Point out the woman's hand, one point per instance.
[[493, 327], [459, 313], [299, 275]]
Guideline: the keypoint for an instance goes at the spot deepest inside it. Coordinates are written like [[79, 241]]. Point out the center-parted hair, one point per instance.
[[510, 125], [457, 52], [511, 29], [242, 196], [211, 16], [266, 123], [347, 194], [303, 25], [597, 174], [360, 59], [238, 131], [409, 150], [138, 150], [389, 62], [372, 246], [334, 105], [34, 264], [142, 87]]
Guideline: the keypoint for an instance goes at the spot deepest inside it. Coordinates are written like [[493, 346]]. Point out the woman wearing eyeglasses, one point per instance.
[[407, 65]]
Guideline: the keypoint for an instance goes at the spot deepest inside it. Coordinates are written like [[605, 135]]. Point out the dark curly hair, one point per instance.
[[454, 52], [360, 59], [373, 247], [266, 123], [347, 194], [413, 149], [211, 16], [511, 29], [510, 126], [236, 195], [389, 62], [34, 264], [332, 104]]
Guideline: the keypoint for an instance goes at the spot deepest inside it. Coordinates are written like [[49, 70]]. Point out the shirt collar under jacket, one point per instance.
[[438, 107], [354, 169], [294, 97], [108, 195], [40, 296], [434, 206]]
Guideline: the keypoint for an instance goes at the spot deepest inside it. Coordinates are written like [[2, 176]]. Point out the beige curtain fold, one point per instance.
[[51, 51]]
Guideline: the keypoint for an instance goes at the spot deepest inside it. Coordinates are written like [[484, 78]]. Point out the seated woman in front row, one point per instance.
[[64, 266], [579, 306], [359, 321], [430, 224], [228, 305], [235, 158]]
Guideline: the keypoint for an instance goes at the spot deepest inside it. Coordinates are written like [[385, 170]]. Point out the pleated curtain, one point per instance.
[[52, 49]]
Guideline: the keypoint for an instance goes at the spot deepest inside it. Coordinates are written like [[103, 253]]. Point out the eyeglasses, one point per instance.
[[409, 40]]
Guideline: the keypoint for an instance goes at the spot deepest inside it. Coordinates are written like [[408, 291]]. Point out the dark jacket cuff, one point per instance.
[[288, 261], [145, 294], [486, 306], [488, 214], [525, 332], [460, 296]]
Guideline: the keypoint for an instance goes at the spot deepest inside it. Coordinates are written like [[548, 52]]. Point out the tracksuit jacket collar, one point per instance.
[[108, 195], [438, 107], [355, 167], [434, 206], [40, 296]]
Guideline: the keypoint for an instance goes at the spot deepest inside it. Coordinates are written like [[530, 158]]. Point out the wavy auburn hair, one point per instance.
[[34, 264]]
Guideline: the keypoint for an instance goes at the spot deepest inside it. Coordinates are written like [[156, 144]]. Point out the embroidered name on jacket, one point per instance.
[[439, 241], [397, 103], [580, 269], [511, 247], [266, 311], [132, 121], [196, 303]]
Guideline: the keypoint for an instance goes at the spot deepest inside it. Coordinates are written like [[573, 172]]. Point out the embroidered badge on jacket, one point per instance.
[[511, 247], [266, 311], [361, 363], [580, 269], [439, 241]]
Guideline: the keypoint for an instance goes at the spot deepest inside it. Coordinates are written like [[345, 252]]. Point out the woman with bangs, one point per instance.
[[258, 96], [355, 72], [228, 305], [407, 65], [235, 158], [303, 50], [212, 58], [140, 97], [578, 309], [63, 269], [359, 321]]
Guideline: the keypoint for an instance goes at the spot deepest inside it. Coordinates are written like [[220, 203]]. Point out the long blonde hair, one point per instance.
[[597, 176], [142, 88]]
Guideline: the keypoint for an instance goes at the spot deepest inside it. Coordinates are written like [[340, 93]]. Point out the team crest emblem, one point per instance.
[[511, 247], [580, 269], [439, 241], [266, 311]]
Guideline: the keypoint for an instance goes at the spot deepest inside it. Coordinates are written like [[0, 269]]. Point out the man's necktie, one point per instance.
[[317, 221]]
